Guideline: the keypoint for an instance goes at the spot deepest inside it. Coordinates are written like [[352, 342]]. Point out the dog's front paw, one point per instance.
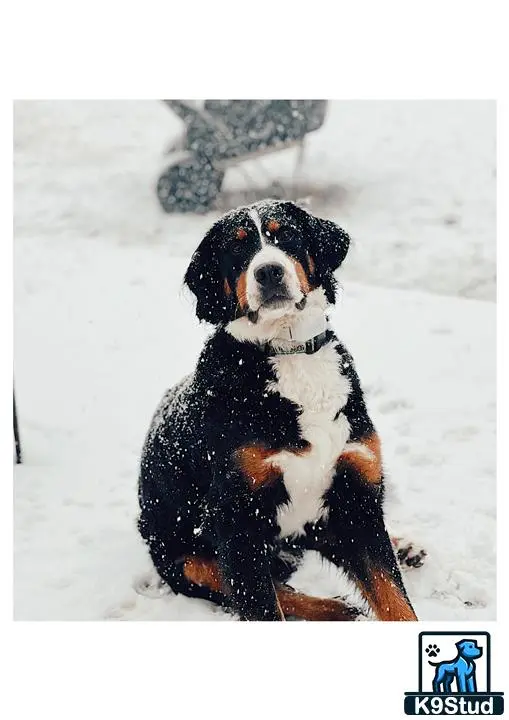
[[408, 554]]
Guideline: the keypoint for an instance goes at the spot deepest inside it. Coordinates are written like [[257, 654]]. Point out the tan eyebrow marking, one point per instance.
[[241, 234], [273, 226]]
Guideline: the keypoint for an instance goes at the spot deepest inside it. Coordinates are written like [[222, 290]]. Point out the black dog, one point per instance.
[[267, 449]]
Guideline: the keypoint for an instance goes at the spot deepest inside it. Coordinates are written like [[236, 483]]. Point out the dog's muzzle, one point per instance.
[[271, 285]]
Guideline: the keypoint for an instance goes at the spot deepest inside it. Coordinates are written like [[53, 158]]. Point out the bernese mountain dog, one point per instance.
[[267, 449]]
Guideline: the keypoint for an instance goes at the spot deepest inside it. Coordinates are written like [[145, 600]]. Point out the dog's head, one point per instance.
[[262, 262], [469, 649]]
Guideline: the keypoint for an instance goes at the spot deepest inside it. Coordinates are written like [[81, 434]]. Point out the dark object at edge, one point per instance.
[[17, 440]]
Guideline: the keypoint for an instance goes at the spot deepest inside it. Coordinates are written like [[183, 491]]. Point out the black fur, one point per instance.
[[193, 496]]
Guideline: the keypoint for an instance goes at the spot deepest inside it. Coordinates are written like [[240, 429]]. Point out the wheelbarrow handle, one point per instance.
[[185, 109]]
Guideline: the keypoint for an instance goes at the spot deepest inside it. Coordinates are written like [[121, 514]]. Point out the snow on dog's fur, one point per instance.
[[268, 450]]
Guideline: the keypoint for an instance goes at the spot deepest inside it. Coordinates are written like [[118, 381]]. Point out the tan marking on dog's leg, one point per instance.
[[307, 607], [227, 288], [365, 456], [253, 462], [203, 572], [385, 598]]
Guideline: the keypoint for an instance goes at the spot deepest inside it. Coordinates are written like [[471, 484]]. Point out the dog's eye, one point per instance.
[[287, 237], [237, 248]]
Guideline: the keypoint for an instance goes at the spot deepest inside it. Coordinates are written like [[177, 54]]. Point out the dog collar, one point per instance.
[[294, 347]]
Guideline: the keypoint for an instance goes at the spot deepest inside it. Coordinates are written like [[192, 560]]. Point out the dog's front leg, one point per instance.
[[461, 680], [243, 538], [355, 539], [368, 560]]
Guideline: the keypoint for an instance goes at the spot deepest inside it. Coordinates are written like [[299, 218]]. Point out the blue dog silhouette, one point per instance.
[[461, 669]]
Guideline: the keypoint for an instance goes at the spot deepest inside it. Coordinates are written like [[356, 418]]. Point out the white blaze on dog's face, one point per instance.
[[261, 264], [273, 285]]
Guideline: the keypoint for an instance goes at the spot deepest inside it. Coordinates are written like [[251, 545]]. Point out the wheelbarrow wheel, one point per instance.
[[189, 186]]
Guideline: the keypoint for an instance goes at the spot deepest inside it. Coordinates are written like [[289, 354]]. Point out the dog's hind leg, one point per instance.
[[186, 576], [447, 685], [307, 607], [441, 679], [170, 556], [199, 577], [204, 574]]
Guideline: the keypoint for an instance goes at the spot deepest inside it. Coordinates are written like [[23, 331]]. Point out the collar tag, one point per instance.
[[296, 349], [308, 324], [290, 347]]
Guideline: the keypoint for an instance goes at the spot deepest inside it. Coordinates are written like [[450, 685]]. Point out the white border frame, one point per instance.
[[351, 50]]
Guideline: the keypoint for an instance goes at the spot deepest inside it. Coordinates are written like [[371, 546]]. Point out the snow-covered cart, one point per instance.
[[224, 133]]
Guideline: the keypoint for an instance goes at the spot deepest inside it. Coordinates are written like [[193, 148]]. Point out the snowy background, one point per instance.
[[102, 328]]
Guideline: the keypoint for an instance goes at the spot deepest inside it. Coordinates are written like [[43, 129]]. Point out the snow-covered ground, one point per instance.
[[98, 272]]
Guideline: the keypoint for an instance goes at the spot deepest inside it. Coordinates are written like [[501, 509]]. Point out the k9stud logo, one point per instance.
[[454, 676]]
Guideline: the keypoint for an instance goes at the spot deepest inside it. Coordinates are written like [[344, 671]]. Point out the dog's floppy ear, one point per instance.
[[327, 246], [203, 277]]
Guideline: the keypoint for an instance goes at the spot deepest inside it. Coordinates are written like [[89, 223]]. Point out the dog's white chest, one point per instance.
[[315, 383]]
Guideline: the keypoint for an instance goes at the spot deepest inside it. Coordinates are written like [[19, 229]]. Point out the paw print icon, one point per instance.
[[432, 650]]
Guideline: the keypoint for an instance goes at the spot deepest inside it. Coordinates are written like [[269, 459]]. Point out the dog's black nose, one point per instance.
[[269, 275]]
